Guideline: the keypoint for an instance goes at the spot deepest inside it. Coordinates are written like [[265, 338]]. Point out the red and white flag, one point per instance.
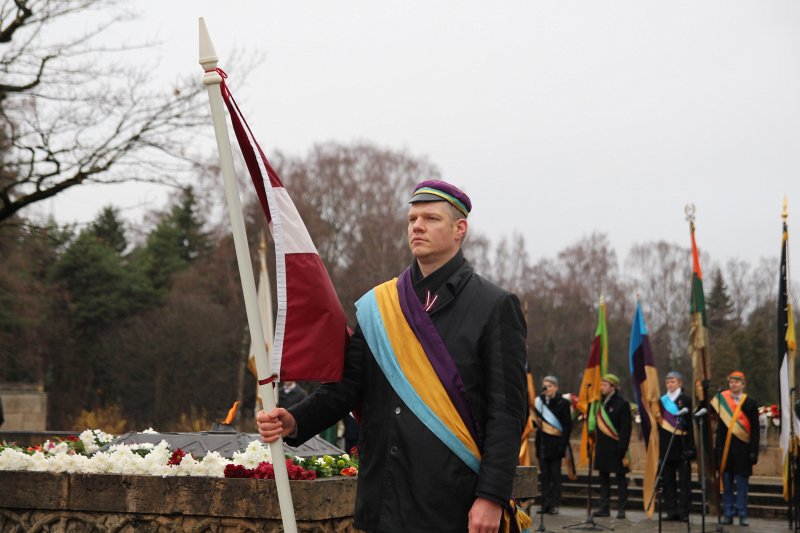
[[310, 327]]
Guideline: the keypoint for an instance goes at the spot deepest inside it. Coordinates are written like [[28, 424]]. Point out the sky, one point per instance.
[[559, 118]]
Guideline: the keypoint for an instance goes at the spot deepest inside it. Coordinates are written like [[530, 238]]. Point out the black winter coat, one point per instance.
[[409, 480], [609, 453], [682, 445], [550, 446], [742, 456]]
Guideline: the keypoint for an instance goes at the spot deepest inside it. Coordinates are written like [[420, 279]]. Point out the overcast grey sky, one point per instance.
[[557, 118]]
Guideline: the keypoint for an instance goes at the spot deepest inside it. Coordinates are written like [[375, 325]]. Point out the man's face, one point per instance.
[[550, 389], [672, 384], [736, 385], [432, 232], [606, 388]]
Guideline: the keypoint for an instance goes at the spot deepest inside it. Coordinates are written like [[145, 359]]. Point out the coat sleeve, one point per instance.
[[565, 417], [755, 427], [504, 362], [332, 401], [624, 426]]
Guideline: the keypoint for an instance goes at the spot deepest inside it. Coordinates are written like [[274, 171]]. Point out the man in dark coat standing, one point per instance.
[[737, 439], [677, 463], [553, 421], [613, 436], [412, 478]]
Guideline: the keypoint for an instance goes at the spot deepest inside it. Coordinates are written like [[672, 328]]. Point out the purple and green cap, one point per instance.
[[441, 191]]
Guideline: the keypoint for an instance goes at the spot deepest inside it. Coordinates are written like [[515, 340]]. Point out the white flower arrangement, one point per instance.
[[83, 455]]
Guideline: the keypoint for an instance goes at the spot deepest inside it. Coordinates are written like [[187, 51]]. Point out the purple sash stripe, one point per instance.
[[437, 353], [670, 419]]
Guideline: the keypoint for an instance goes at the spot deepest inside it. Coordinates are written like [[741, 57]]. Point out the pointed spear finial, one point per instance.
[[689, 209], [208, 56], [785, 213]]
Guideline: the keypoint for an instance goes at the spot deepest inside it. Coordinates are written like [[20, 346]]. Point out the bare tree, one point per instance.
[[661, 272], [72, 115]]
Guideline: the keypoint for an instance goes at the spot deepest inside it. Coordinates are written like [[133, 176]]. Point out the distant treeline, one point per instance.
[[136, 326]]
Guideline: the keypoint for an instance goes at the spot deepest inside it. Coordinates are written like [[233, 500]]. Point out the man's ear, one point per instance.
[[461, 228]]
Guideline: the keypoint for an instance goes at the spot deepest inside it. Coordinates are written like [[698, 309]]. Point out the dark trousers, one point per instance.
[[605, 491], [551, 482], [675, 480]]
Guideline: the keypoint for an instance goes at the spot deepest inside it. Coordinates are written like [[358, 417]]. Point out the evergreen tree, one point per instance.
[[177, 241], [110, 230], [720, 312]]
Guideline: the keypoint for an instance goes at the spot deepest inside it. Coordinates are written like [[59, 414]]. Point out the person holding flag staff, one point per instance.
[[613, 437], [736, 444], [437, 368], [676, 475], [551, 414]]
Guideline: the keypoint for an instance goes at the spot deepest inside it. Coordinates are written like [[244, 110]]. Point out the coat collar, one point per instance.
[[444, 283]]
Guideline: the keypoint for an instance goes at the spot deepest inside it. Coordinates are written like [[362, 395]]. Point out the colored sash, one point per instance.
[[728, 411], [413, 357], [546, 419], [669, 418], [605, 424], [409, 368], [723, 409]]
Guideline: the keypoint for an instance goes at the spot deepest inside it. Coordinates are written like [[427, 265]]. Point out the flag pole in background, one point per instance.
[[589, 393], [787, 350], [212, 80], [265, 309], [646, 390], [701, 366]]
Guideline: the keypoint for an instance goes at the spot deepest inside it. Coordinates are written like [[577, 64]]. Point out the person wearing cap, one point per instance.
[[436, 366], [736, 445], [551, 414], [677, 470], [613, 437]]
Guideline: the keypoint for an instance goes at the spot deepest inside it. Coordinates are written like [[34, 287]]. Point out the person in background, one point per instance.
[[551, 414], [437, 367], [290, 394], [736, 445], [613, 437], [678, 464]]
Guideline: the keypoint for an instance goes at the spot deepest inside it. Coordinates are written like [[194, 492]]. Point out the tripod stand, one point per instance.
[[659, 481], [699, 416], [589, 524]]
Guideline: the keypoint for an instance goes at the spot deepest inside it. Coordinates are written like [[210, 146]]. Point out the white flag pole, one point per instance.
[[212, 81]]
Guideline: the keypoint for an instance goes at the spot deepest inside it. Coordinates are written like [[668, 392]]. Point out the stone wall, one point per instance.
[[45, 502], [24, 407]]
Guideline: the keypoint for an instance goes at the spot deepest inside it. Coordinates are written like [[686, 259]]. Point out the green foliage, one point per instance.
[[176, 242]]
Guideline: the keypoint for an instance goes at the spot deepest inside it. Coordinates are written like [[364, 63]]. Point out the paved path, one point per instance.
[[638, 521]]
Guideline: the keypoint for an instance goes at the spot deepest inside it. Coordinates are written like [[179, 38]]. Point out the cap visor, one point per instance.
[[425, 197]]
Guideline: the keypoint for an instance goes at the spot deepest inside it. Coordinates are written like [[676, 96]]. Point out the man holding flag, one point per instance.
[[737, 445], [678, 461], [552, 416], [613, 437], [436, 367]]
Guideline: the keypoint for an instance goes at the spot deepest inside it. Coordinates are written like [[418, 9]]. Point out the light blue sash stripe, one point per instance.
[[547, 414], [669, 405], [371, 323]]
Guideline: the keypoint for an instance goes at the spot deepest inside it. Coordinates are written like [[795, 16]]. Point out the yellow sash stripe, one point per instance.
[[726, 449], [416, 366], [727, 418]]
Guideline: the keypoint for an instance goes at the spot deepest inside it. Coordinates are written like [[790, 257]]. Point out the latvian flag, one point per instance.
[[310, 328]]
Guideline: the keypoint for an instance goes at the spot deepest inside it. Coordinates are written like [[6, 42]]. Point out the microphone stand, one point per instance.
[[701, 425], [589, 524], [658, 481]]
